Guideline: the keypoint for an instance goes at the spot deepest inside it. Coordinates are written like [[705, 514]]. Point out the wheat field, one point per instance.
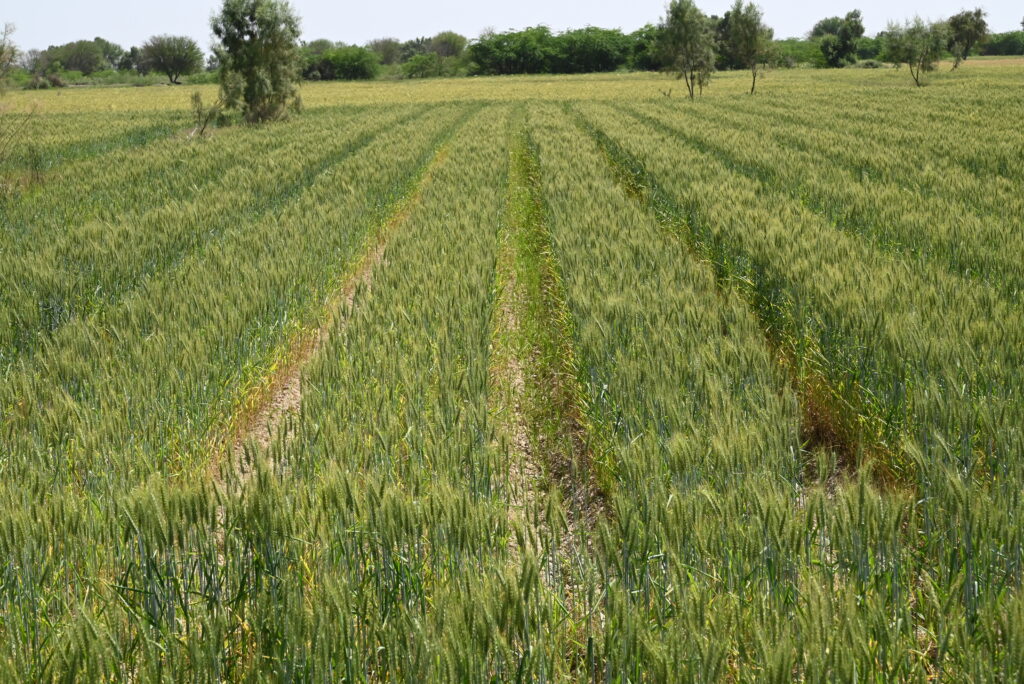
[[517, 379]]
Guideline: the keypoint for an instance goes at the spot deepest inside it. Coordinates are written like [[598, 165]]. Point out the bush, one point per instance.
[[868, 48], [793, 51], [1011, 43], [644, 54], [517, 52], [537, 51], [426, 65], [589, 50], [868, 64], [345, 64]]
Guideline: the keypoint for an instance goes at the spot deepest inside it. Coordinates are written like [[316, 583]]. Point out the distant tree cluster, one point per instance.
[[323, 60], [693, 45], [685, 42], [441, 55], [537, 50]]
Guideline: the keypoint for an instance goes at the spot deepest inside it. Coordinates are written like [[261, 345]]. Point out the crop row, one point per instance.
[[844, 577], [88, 268], [925, 354], [943, 228]]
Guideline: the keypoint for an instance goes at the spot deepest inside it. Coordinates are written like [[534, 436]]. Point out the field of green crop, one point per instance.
[[518, 379]]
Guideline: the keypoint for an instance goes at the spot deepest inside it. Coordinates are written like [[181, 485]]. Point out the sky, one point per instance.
[[41, 23]]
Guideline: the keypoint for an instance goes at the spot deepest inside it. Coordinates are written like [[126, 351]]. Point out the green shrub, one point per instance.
[[343, 64], [426, 65]]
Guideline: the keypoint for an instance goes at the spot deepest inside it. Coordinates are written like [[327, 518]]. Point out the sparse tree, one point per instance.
[[749, 40], [688, 44], [966, 29], [30, 61], [258, 50], [388, 50], [448, 44], [112, 52], [411, 48], [8, 55], [174, 56], [131, 60], [917, 44]]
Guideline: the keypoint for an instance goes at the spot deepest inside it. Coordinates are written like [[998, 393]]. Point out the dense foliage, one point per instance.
[[838, 38], [259, 57], [967, 29], [537, 50], [347, 63], [174, 56]]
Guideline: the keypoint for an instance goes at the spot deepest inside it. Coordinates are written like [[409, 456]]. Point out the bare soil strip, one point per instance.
[[554, 493], [266, 412]]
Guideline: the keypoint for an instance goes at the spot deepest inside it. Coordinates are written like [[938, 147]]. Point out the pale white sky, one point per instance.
[[129, 22]]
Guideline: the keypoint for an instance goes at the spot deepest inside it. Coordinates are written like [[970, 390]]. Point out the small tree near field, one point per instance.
[[749, 40], [966, 29], [8, 55], [688, 44], [259, 55], [917, 44], [174, 56], [839, 47]]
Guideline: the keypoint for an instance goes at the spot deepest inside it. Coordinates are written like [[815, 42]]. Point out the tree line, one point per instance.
[[685, 41]]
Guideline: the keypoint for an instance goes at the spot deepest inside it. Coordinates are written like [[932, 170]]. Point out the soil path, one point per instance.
[[269, 413]]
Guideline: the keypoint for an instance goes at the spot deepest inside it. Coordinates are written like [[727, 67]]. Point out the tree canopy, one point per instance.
[[259, 55], [748, 39], [838, 38], [688, 44], [966, 30], [917, 44], [174, 56]]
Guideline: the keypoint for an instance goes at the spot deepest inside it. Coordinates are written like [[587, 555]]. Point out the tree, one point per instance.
[[131, 60], [426, 65], [347, 63], [588, 50], [81, 55], [838, 38], [314, 49], [448, 44], [749, 40], [917, 44], [31, 61], [388, 50], [688, 44], [8, 55], [645, 54], [529, 51], [411, 48], [112, 52], [171, 55], [259, 55], [966, 29], [826, 27]]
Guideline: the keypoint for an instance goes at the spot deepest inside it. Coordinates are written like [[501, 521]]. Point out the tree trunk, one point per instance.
[[753, 83]]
